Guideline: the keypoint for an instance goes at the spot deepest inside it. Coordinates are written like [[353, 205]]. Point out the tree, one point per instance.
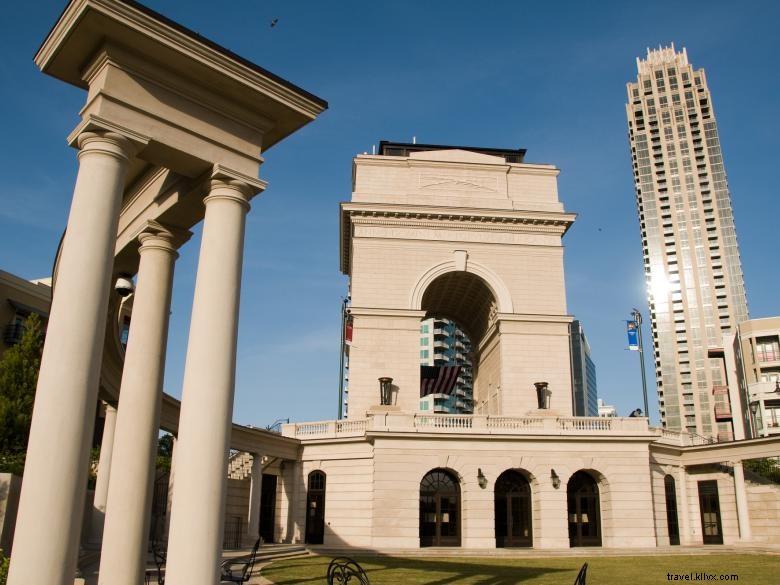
[[18, 379]]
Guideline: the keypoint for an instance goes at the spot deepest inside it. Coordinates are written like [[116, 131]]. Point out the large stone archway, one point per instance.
[[463, 232]]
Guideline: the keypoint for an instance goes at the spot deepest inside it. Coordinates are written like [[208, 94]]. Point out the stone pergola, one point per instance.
[[171, 134]]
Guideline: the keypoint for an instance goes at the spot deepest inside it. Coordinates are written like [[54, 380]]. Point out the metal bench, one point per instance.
[[239, 570], [580, 580], [159, 561], [346, 571]]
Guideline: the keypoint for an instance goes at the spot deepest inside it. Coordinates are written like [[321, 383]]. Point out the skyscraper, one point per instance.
[[692, 266], [583, 374]]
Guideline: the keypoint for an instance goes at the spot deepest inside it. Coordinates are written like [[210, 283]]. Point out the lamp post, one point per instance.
[[342, 351], [753, 425], [638, 319]]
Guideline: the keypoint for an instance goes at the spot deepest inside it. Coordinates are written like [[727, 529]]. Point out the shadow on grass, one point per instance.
[[757, 568], [421, 571]]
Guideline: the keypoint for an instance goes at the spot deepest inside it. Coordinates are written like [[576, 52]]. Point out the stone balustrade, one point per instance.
[[468, 424], [681, 438]]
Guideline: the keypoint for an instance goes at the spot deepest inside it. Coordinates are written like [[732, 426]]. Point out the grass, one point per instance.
[[750, 569]]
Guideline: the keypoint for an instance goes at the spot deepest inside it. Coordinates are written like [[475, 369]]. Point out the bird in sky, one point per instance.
[[274, 21]]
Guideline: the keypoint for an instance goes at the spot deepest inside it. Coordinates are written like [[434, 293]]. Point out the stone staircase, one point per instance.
[[240, 465]]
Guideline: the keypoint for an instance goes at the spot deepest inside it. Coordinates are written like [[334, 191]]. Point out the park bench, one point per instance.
[[345, 571], [239, 570]]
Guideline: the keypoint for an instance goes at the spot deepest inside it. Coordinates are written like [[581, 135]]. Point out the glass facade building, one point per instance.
[[692, 266], [583, 374]]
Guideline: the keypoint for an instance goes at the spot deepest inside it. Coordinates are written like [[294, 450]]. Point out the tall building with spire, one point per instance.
[[693, 271]]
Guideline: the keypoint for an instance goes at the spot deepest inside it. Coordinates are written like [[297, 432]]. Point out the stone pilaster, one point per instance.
[[255, 494], [743, 513]]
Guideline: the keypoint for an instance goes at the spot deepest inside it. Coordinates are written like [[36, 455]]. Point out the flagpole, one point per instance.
[[638, 319], [341, 357]]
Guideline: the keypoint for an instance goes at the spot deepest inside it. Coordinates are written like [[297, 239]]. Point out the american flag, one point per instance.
[[438, 379]]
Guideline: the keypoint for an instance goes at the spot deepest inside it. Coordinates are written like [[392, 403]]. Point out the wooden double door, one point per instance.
[[439, 509], [513, 522]]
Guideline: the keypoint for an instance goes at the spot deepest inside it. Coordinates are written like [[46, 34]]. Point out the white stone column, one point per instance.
[[255, 493], [53, 491], [103, 474], [743, 514], [126, 531], [195, 539]]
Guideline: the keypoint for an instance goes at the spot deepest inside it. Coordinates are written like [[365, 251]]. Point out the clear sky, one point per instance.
[[546, 76]]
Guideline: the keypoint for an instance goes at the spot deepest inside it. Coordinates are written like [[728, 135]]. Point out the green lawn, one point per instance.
[[750, 569]]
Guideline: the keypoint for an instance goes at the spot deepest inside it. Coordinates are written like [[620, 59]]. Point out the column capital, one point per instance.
[[224, 182], [159, 237], [117, 140]]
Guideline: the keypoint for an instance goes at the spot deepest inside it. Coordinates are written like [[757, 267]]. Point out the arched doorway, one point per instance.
[[583, 510], [671, 510], [439, 509], [315, 508], [513, 510]]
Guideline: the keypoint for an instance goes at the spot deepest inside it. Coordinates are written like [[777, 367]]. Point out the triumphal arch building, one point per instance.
[[465, 235]]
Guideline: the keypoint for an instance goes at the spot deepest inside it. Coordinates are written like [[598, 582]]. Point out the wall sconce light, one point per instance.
[[481, 479], [556, 481], [543, 394], [385, 391]]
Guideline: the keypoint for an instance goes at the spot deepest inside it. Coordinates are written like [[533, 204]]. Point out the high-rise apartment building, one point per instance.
[[583, 374], [443, 344], [692, 266]]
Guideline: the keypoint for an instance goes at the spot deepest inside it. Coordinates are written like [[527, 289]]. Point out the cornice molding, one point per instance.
[[455, 218], [162, 31]]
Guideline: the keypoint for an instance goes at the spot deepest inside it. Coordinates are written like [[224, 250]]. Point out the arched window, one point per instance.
[[513, 510], [583, 509], [439, 509], [315, 508], [671, 510]]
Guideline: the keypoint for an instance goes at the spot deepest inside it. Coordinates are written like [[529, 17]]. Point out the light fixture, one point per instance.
[[556, 481], [385, 391], [124, 285], [754, 407], [542, 395], [481, 479]]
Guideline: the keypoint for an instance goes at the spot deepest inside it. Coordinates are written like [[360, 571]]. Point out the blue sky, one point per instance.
[[549, 77]]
